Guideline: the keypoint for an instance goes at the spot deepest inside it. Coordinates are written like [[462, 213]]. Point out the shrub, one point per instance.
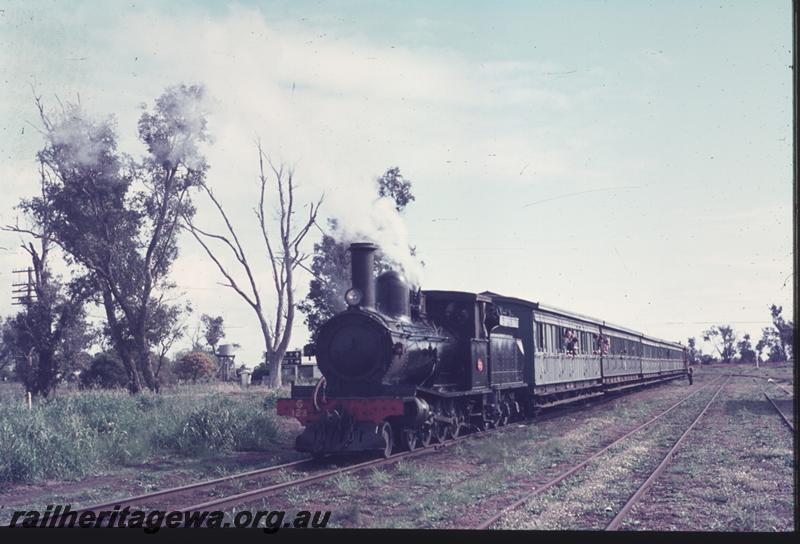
[[195, 366], [259, 372], [105, 370], [222, 424], [72, 435]]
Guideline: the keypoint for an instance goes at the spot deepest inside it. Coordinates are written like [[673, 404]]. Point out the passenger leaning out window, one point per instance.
[[571, 343]]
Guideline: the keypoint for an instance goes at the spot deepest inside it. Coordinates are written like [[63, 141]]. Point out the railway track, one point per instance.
[[177, 496], [174, 494], [249, 496], [488, 523], [780, 412], [777, 382], [639, 493], [197, 486]]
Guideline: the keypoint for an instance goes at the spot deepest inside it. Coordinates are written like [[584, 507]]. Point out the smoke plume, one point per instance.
[[363, 217]]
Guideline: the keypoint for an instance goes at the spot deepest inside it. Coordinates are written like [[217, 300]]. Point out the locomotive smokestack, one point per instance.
[[362, 258]]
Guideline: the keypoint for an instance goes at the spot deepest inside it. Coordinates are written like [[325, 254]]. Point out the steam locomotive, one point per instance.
[[402, 368]]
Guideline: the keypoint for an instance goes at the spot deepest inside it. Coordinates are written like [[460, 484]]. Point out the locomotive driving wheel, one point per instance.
[[504, 415], [493, 417], [440, 431], [458, 426], [388, 440], [426, 434], [410, 438]]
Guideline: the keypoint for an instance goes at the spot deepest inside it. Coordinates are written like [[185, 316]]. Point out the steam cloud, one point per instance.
[[82, 136], [174, 130], [362, 217]]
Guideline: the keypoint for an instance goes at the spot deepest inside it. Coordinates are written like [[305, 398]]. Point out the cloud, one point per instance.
[[479, 137]]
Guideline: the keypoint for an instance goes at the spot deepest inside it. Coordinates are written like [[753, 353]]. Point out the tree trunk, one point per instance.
[[46, 373], [134, 381], [145, 368], [273, 358], [143, 352]]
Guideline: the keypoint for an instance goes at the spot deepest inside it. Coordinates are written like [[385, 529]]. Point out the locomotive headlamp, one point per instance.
[[353, 296]]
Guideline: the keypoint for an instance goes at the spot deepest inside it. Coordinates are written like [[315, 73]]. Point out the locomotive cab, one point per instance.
[[464, 315]]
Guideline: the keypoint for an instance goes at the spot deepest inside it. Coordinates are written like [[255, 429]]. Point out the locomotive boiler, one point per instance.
[[376, 345], [402, 367]]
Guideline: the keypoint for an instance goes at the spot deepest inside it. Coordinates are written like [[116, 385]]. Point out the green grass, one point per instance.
[[72, 435], [379, 477]]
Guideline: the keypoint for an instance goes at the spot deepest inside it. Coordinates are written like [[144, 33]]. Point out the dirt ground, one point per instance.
[[462, 486], [132, 480], [734, 473]]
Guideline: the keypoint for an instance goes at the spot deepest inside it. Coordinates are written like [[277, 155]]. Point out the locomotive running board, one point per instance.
[[454, 394]]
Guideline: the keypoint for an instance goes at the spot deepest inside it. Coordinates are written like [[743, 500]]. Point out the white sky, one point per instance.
[[626, 160]]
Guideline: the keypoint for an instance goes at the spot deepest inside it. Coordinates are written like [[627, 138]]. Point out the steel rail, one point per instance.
[[639, 493], [780, 412], [268, 470], [564, 475], [254, 494], [777, 382], [195, 486], [550, 413], [247, 496]]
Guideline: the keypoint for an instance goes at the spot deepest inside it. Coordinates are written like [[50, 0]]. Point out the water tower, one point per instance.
[[227, 367]]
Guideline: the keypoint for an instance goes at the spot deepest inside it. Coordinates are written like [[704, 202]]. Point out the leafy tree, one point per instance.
[[6, 349], [778, 340], [395, 186], [330, 266], [49, 333], [105, 370], [195, 366], [331, 279], [706, 359], [116, 217], [770, 342], [723, 338], [167, 326], [259, 372], [784, 333], [745, 349], [213, 330], [763, 343]]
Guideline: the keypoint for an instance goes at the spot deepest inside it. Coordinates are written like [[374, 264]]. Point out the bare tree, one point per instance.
[[283, 253]]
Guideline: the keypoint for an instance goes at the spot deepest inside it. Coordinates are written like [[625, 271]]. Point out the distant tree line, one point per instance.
[[775, 345]]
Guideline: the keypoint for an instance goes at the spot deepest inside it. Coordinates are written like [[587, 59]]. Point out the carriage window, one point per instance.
[[539, 338], [548, 330], [544, 337]]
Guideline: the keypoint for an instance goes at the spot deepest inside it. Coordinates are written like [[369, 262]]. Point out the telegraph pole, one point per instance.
[[23, 293]]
